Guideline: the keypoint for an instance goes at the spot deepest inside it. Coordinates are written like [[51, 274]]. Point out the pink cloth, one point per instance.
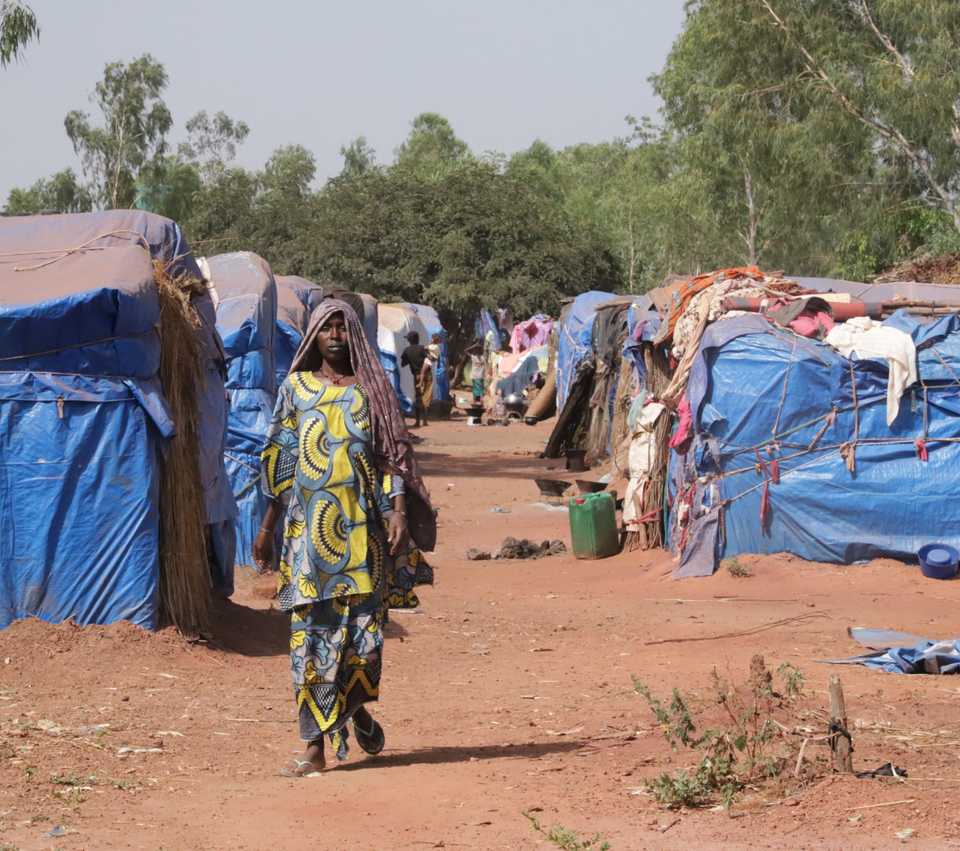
[[685, 426], [813, 325], [530, 334]]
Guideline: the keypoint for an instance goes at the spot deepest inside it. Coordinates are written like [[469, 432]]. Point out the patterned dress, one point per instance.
[[318, 462]]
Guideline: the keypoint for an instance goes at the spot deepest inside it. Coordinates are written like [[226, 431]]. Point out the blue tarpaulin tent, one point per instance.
[[395, 322], [246, 297], [441, 377], [84, 417], [792, 451], [296, 299], [574, 338]]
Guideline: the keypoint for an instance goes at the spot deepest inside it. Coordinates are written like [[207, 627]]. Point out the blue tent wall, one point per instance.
[[574, 338], [246, 320], [441, 377], [296, 299], [165, 242], [750, 377], [82, 419]]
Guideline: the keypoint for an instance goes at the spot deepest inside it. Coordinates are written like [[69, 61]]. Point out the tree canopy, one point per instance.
[[814, 137]]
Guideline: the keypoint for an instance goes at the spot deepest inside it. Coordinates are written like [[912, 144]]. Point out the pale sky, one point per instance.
[[318, 73]]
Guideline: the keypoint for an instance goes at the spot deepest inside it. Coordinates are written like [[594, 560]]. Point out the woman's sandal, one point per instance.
[[300, 768], [372, 740]]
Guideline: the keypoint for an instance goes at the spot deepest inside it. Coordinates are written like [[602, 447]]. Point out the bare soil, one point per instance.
[[510, 691]]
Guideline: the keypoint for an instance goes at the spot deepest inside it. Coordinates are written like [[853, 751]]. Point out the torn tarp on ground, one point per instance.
[[927, 656]]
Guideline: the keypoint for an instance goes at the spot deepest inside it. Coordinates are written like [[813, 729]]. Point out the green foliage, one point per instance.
[[566, 839], [132, 137], [469, 237], [750, 748], [431, 150], [59, 193], [358, 158], [890, 68], [212, 142], [735, 568], [18, 26]]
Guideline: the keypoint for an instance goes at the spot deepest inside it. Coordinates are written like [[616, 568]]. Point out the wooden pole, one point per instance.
[[841, 742]]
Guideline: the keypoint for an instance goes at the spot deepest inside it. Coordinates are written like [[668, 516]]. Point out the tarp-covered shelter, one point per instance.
[[296, 299], [594, 334], [431, 322], [246, 297], [809, 416], [395, 322], [87, 428], [575, 338]]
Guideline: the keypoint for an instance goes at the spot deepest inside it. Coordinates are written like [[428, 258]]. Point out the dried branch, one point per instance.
[[903, 63]]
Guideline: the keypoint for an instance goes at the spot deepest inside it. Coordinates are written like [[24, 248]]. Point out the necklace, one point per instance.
[[333, 378]]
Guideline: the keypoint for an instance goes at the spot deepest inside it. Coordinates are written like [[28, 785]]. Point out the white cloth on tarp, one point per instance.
[[640, 461], [869, 339]]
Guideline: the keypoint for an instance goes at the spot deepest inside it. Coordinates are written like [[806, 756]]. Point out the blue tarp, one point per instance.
[[247, 320], [95, 322], [441, 376], [485, 324], [296, 299], [574, 338], [759, 394], [164, 240], [82, 419]]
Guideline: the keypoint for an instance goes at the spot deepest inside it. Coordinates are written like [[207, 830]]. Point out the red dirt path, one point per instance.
[[510, 691]]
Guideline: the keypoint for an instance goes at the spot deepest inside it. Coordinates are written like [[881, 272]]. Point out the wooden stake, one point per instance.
[[840, 743]]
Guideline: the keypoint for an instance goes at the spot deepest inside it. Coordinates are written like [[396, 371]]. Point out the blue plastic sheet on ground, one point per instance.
[[760, 394], [247, 321], [574, 338], [925, 657]]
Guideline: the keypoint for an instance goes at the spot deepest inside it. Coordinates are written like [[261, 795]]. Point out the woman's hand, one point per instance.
[[263, 550], [396, 531]]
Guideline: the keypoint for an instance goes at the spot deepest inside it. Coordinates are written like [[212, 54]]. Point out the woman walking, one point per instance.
[[339, 468]]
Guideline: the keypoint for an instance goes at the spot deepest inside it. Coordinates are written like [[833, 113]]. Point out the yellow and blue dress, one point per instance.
[[319, 463]]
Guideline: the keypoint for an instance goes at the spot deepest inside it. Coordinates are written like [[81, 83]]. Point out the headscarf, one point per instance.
[[392, 446]]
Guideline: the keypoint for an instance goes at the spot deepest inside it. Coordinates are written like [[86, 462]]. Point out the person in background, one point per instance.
[[415, 357], [339, 470], [477, 366]]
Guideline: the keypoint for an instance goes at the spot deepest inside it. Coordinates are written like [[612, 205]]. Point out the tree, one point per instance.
[[59, 193], [222, 214], [358, 158], [470, 237], [432, 149], [283, 209], [18, 26], [771, 167], [212, 142], [168, 187], [893, 67], [133, 135]]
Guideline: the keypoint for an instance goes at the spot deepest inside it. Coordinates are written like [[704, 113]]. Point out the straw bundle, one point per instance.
[[184, 572]]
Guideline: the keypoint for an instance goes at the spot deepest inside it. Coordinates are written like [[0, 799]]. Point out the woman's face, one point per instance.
[[332, 339]]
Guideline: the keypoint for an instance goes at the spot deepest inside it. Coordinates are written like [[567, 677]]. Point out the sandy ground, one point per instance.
[[509, 692]]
